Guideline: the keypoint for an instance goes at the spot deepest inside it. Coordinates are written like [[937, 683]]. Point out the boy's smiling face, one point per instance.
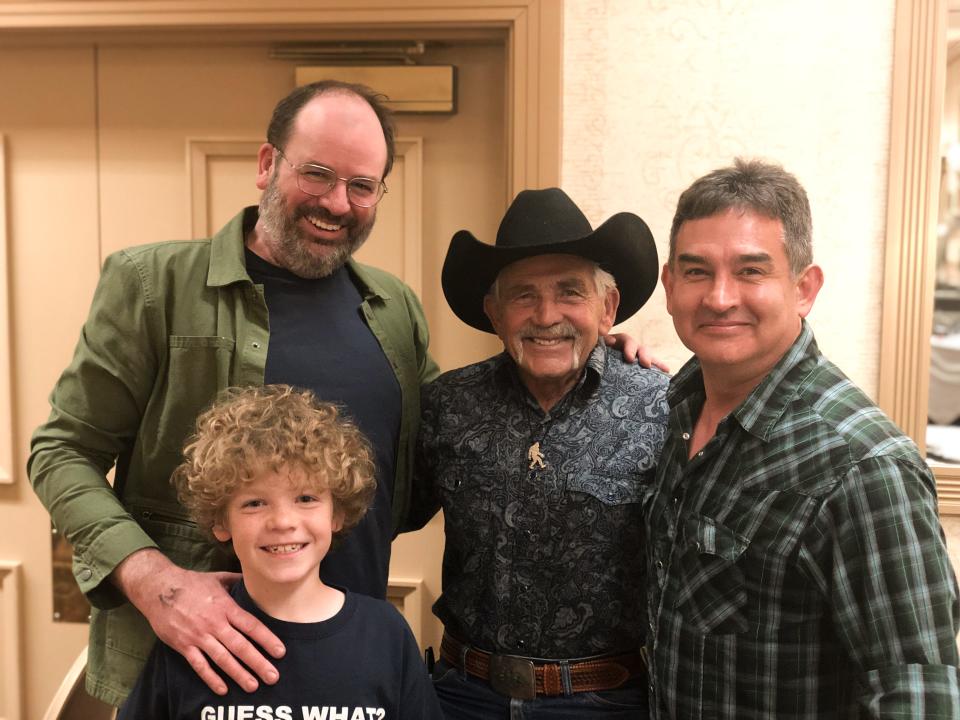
[[281, 527]]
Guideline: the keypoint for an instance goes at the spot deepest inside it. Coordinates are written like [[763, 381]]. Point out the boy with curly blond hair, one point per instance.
[[277, 477]]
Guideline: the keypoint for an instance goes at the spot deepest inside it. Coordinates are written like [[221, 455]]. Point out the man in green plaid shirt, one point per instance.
[[797, 567]]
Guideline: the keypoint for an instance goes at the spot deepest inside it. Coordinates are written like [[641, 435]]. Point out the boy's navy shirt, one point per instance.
[[361, 664]]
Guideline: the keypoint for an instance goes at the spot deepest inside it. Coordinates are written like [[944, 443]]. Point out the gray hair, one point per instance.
[[764, 188], [604, 281]]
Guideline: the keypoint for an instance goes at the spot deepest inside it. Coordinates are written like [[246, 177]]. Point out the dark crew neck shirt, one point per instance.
[[361, 663], [319, 341]]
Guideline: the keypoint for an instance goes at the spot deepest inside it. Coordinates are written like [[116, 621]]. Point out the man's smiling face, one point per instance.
[[549, 314], [308, 235], [734, 300]]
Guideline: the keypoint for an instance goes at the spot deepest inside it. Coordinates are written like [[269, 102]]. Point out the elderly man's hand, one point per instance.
[[633, 351], [193, 613]]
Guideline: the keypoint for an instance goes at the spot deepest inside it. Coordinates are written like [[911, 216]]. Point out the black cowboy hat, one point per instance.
[[541, 222]]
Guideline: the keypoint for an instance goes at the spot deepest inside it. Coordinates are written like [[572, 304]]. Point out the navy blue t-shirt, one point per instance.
[[319, 341], [361, 664]]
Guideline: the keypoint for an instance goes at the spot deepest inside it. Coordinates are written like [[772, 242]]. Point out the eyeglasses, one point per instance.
[[318, 180]]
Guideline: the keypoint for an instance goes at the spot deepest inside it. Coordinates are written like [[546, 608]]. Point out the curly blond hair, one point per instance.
[[253, 430]]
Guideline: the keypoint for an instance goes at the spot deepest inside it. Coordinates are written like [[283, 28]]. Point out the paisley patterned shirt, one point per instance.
[[544, 550]]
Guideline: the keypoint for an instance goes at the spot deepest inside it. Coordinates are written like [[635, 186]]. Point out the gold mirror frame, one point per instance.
[[919, 75]]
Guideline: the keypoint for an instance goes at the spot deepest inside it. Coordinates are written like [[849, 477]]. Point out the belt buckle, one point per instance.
[[513, 676]]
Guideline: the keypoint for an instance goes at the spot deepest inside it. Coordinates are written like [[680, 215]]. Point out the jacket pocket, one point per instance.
[[198, 367]]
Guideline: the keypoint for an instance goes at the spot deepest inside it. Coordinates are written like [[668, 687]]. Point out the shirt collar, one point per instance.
[[766, 403], [227, 264]]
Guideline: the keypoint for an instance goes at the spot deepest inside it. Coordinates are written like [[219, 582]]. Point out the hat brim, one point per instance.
[[623, 246]]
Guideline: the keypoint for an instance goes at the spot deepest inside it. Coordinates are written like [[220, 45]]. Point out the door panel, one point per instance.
[[153, 101], [48, 130]]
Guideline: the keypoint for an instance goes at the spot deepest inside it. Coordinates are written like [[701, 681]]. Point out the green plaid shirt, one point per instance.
[[797, 565]]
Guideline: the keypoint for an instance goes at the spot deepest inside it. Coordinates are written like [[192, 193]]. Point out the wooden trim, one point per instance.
[[225, 14], [407, 596], [199, 152], [72, 683], [948, 489], [919, 74], [411, 150], [6, 395], [10, 656]]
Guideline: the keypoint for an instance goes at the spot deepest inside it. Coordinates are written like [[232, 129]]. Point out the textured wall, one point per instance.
[[659, 92]]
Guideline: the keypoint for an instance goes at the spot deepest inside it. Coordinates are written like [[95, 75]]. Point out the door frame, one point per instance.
[[919, 76], [531, 29]]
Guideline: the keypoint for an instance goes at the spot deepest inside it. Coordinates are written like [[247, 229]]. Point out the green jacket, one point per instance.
[[171, 325]]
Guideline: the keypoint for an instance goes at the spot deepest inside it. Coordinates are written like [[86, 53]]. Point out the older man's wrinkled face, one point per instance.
[[549, 314]]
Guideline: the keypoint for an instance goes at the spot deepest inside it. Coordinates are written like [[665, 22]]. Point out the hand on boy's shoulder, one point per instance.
[[193, 613]]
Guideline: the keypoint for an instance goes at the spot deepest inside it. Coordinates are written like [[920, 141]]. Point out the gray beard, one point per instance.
[[289, 246]]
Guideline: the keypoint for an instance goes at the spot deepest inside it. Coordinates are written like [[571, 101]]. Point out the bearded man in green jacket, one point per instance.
[[273, 297]]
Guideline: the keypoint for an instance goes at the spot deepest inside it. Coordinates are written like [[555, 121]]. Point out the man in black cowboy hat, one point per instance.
[[539, 457]]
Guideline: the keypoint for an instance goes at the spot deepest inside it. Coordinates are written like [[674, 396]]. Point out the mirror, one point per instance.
[[943, 397], [914, 174]]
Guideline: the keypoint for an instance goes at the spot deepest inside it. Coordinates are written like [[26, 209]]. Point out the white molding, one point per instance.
[[10, 656], [6, 396]]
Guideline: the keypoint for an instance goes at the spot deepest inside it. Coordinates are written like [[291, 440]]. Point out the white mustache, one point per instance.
[[561, 329]]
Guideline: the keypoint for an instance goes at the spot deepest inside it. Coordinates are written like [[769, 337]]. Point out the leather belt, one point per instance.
[[525, 678]]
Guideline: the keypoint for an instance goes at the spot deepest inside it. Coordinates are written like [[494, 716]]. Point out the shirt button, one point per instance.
[[86, 574], [521, 644], [659, 564], [700, 454], [256, 345], [686, 436]]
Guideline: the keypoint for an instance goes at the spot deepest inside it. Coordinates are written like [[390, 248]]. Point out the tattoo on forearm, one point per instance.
[[168, 597]]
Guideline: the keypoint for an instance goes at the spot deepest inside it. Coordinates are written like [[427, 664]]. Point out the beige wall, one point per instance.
[[658, 93]]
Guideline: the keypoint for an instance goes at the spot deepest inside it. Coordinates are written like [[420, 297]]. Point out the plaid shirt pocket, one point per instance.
[[711, 593]]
